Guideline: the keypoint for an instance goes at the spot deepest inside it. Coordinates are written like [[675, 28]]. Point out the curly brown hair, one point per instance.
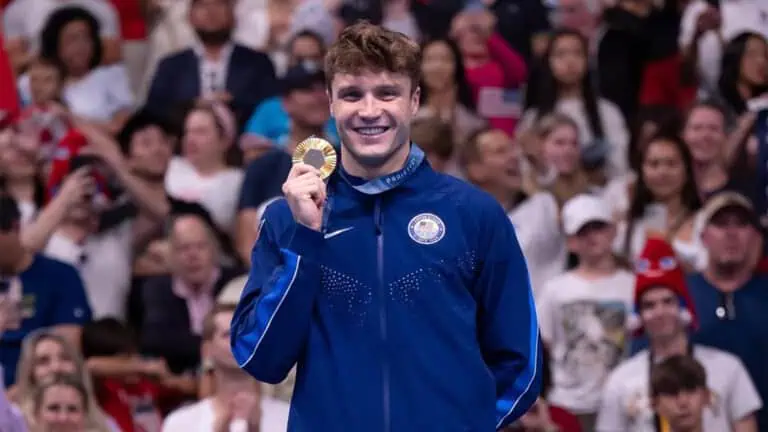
[[368, 47]]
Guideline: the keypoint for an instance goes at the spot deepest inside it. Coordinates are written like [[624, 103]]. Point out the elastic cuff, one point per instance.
[[306, 242]]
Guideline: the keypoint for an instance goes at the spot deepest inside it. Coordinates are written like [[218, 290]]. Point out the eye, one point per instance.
[[642, 265], [667, 263]]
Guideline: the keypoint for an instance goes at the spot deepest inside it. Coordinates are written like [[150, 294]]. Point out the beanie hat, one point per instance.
[[658, 267]]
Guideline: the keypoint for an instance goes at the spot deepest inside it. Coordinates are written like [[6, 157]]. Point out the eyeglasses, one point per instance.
[[726, 311]]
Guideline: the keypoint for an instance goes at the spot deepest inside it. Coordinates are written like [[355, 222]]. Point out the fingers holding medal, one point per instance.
[[313, 161]]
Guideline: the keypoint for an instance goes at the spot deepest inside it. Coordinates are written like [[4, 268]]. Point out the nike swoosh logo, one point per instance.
[[337, 232]]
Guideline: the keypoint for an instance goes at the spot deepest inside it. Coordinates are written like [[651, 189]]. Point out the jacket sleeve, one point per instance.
[[271, 323], [508, 328]]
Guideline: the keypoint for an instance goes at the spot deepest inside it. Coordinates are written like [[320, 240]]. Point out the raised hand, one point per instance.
[[305, 192]]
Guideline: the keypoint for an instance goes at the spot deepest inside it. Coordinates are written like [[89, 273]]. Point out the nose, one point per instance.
[[369, 109]]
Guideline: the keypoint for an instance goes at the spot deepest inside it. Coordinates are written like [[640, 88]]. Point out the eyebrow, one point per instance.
[[379, 88]]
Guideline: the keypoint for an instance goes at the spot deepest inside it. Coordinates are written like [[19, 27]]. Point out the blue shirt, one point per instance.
[[745, 336], [270, 121], [52, 294]]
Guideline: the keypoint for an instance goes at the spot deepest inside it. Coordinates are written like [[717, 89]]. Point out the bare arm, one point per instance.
[[746, 424]]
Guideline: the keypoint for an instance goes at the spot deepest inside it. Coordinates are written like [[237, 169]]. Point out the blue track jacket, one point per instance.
[[411, 310]]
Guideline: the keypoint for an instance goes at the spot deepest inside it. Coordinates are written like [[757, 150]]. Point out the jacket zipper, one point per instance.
[[382, 311]]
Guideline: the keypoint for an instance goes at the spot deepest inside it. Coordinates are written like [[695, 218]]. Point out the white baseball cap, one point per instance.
[[583, 209]]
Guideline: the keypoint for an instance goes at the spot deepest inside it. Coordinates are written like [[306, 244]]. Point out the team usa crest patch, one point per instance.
[[426, 229]]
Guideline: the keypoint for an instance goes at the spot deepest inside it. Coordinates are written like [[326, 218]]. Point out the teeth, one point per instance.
[[371, 130]]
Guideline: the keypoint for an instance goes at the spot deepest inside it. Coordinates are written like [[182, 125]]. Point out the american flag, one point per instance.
[[496, 102]]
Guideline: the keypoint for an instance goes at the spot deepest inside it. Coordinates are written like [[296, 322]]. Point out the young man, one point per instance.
[[583, 312], [402, 293], [664, 313], [679, 395]]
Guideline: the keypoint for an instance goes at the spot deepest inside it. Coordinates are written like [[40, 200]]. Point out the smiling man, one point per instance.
[[401, 293]]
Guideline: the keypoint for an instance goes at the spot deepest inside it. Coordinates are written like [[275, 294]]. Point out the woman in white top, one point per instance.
[[98, 94], [664, 202], [564, 83], [201, 173]]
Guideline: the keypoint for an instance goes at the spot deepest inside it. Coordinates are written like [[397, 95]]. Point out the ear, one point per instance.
[[415, 100]]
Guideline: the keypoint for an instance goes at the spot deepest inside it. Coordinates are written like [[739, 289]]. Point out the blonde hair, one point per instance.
[[551, 122], [27, 388]]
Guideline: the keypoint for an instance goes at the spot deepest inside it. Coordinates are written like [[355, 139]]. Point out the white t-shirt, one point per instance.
[[626, 403], [199, 417], [26, 18], [537, 227], [217, 193], [104, 262], [737, 16], [584, 324], [99, 95]]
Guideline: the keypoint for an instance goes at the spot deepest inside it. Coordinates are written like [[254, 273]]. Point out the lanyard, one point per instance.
[[390, 181], [660, 424]]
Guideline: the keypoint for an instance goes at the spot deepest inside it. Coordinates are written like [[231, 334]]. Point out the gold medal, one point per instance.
[[318, 153]]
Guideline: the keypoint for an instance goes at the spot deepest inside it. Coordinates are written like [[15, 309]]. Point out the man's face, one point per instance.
[[308, 107], [684, 410], [373, 112], [150, 152], [193, 251], [220, 350], [705, 134], [660, 313], [212, 20], [306, 48], [44, 83], [729, 238], [498, 164], [593, 240]]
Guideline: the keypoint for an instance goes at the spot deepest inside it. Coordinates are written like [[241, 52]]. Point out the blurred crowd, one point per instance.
[[141, 140]]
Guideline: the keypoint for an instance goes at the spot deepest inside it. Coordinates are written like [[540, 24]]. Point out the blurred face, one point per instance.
[[576, 15], [212, 20], [62, 409], [306, 48], [705, 134], [729, 238], [498, 166], [754, 63], [472, 43], [308, 107], [373, 112], [438, 66], [193, 251], [568, 60], [663, 170], [44, 83], [562, 151], [203, 141], [220, 350], [660, 313], [683, 410], [50, 358], [76, 46], [593, 241], [18, 155], [151, 151]]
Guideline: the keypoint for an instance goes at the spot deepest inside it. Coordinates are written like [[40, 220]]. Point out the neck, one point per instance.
[[443, 100], [206, 167], [397, 9], [699, 427], [393, 164], [22, 189], [674, 206], [664, 347], [76, 231], [728, 278], [300, 133], [213, 51], [709, 175], [597, 267], [507, 198], [569, 91]]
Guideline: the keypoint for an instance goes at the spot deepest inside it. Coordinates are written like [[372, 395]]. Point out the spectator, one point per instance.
[[42, 293], [216, 68], [97, 94], [564, 84], [435, 137], [583, 312], [201, 173], [579, 16], [445, 92], [524, 24], [236, 397], [172, 306], [664, 203], [490, 162], [19, 163], [679, 394], [24, 22], [62, 402], [133, 28], [665, 313], [397, 16], [744, 71], [730, 295], [495, 72]]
